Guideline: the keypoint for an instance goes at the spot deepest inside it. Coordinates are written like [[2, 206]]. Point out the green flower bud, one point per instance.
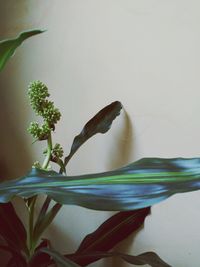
[[36, 165], [57, 152], [37, 92], [51, 114], [40, 133], [34, 129]]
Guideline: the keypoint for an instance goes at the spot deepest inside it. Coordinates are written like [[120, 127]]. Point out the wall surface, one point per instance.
[[144, 53]]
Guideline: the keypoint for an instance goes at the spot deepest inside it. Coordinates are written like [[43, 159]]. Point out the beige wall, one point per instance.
[[144, 53]]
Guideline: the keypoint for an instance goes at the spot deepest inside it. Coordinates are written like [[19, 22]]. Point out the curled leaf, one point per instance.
[[100, 123]]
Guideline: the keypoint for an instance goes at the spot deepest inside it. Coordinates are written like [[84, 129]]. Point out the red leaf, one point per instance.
[[11, 227], [110, 233], [150, 258], [41, 259], [16, 260]]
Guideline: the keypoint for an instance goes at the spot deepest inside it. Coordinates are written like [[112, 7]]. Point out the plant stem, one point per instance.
[[31, 223], [48, 156], [34, 198]]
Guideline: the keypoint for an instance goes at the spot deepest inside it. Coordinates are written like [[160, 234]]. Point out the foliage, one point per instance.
[[8, 47], [138, 185], [131, 190]]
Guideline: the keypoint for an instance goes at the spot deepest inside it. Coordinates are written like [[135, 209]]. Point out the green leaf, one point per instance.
[[45, 222], [8, 47], [43, 212], [100, 123], [59, 259], [45, 218], [110, 233], [11, 228], [150, 258], [138, 185]]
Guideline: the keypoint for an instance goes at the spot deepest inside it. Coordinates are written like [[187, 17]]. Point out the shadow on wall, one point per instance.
[[15, 158], [122, 154], [122, 150]]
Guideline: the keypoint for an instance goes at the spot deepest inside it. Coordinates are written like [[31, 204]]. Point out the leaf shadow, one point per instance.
[[14, 146], [122, 154], [122, 149]]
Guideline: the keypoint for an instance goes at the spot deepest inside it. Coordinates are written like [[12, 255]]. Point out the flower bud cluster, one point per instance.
[[39, 132], [38, 94], [56, 152], [37, 165]]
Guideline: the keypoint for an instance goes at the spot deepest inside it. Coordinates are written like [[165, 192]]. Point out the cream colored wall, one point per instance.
[[144, 53]]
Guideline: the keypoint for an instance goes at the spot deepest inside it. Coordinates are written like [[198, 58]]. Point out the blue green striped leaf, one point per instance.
[[138, 185]]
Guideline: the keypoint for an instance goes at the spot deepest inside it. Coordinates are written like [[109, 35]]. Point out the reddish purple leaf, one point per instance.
[[110, 233], [150, 258], [16, 260], [41, 259], [11, 228], [100, 123]]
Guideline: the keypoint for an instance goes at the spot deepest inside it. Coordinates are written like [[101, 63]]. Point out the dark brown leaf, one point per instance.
[[111, 232], [150, 258], [11, 227], [100, 123]]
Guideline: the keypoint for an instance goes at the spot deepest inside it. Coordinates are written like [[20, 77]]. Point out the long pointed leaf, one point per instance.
[[138, 185], [150, 258], [45, 218], [45, 222], [8, 47], [100, 123], [11, 228], [111, 232], [43, 212]]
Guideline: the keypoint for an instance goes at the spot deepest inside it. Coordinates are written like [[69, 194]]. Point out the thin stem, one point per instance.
[[48, 156], [62, 166], [34, 198], [31, 223]]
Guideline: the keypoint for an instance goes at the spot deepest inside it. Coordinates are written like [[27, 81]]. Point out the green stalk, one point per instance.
[[31, 222], [45, 164], [44, 219], [48, 156]]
